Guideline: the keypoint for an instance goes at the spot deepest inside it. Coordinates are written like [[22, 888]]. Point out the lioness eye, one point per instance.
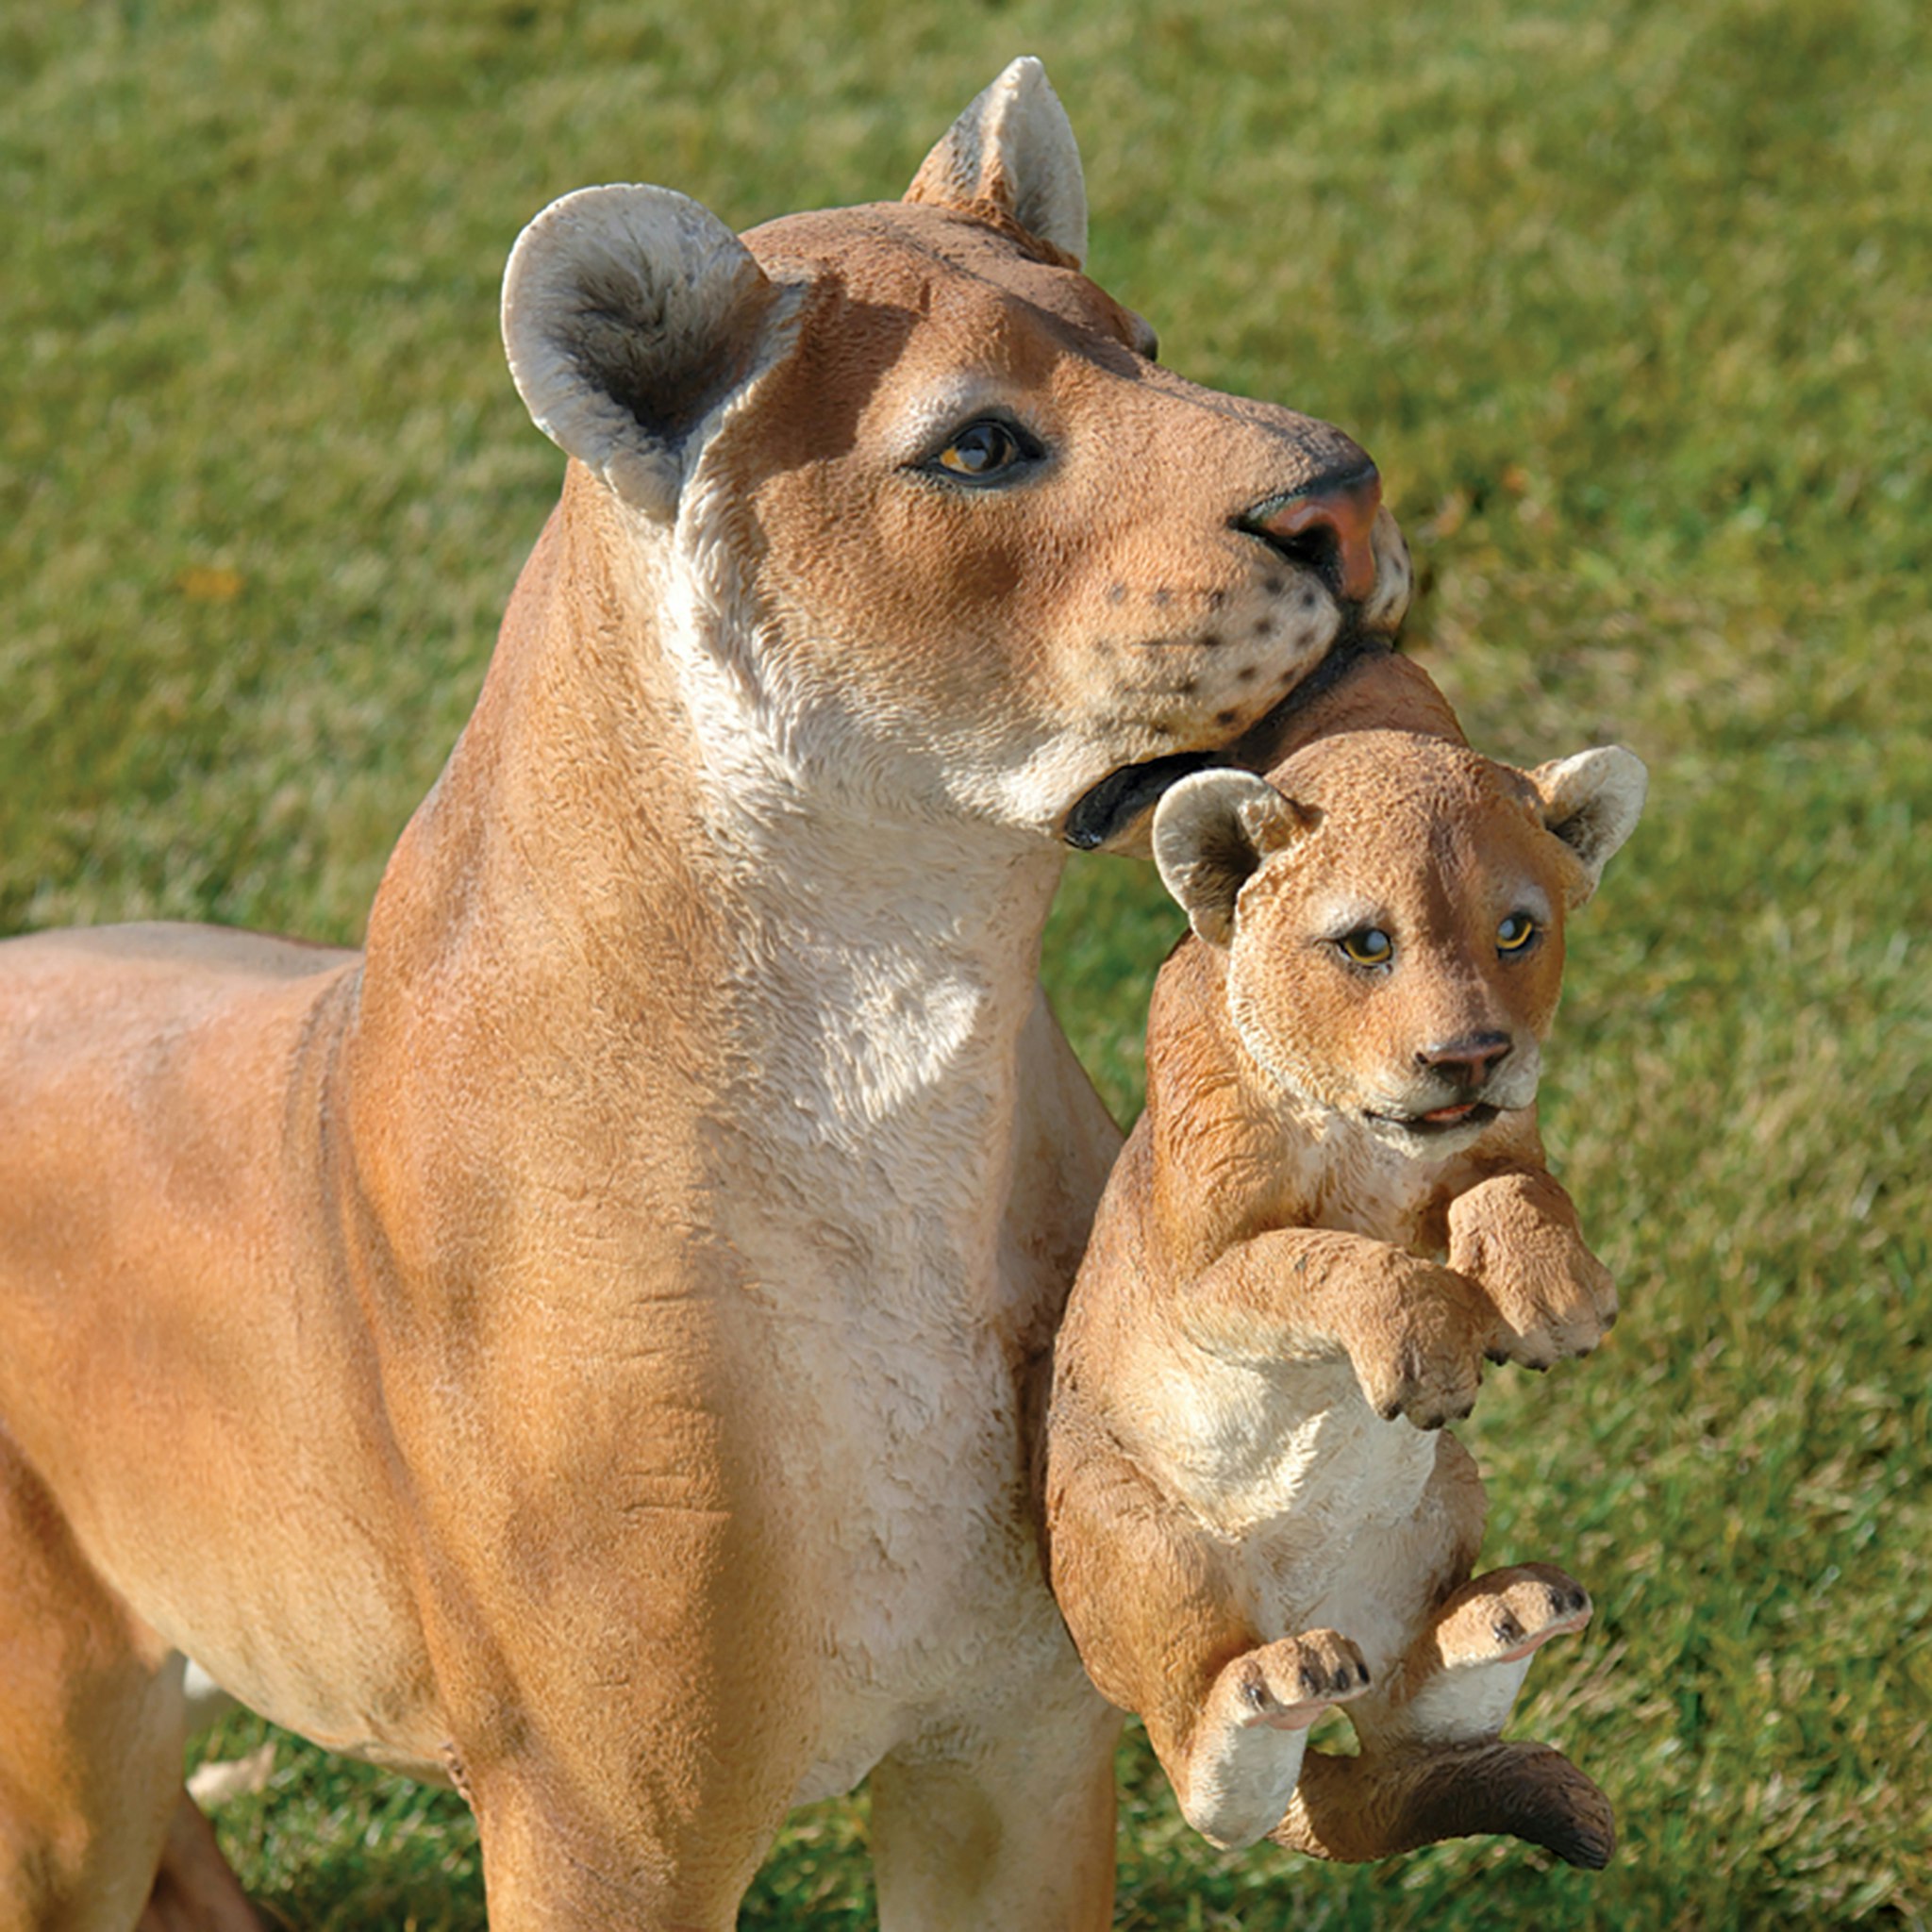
[[983, 451], [1371, 946], [1515, 932]]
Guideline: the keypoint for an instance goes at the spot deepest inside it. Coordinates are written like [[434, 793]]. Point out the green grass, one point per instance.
[[1631, 303]]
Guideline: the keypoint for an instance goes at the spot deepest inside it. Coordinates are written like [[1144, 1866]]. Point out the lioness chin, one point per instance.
[[1254, 1513]]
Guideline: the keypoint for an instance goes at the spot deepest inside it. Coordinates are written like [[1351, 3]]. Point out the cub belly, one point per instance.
[[1285, 1463]]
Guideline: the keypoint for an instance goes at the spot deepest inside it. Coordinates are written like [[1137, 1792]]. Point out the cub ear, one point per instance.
[[1593, 802], [628, 315], [1014, 147], [1211, 831]]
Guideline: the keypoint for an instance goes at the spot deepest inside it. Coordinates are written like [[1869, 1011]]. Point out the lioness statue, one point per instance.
[[1253, 1511], [580, 1346]]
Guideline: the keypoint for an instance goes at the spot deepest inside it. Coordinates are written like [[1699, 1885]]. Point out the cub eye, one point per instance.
[[984, 452], [1371, 946], [1515, 933]]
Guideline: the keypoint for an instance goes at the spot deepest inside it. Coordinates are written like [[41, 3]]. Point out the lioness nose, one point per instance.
[[1471, 1060], [1327, 524]]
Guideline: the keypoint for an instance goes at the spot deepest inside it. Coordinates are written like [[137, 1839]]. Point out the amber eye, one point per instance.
[[1515, 933], [1371, 946], [983, 452]]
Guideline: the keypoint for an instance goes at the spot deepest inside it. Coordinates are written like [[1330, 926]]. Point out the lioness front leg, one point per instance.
[[1015, 1827], [1518, 1236], [1416, 1334]]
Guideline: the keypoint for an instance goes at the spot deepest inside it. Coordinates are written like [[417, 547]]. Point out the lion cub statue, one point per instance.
[[1252, 1510]]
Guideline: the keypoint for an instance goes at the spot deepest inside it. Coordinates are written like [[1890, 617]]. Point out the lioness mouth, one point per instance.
[[1123, 795], [1105, 810], [1467, 1113]]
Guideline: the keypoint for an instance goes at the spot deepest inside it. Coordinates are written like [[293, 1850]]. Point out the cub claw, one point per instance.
[[1434, 1380], [1516, 1235]]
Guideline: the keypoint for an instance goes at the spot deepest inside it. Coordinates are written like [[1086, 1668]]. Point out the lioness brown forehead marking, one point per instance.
[[892, 245]]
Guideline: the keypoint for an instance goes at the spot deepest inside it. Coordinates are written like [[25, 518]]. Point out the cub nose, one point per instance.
[[1326, 526], [1470, 1061]]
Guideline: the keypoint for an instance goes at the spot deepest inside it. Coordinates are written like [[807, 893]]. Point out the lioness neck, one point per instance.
[[584, 855]]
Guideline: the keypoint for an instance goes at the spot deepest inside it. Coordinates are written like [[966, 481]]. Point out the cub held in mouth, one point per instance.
[[1253, 1509]]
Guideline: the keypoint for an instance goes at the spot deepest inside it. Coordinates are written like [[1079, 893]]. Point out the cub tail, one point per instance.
[[1352, 1810]]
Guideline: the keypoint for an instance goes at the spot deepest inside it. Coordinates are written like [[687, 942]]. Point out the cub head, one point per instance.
[[917, 512], [1391, 909]]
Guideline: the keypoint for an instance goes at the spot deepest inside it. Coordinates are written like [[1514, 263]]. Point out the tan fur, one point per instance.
[[579, 1346], [1248, 1519]]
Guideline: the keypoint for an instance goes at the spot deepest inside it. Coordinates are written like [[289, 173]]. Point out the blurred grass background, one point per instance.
[[1632, 302]]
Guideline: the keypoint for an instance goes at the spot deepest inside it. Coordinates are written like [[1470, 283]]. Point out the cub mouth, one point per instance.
[[1441, 1119], [1104, 812]]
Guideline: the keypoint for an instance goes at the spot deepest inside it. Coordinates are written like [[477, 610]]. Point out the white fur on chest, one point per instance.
[[899, 1440], [886, 1325], [880, 996], [881, 987], [1289, 1452]]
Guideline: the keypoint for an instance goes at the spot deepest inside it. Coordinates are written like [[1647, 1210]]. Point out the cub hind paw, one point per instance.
[[1287, 1685], [1503, 1617]]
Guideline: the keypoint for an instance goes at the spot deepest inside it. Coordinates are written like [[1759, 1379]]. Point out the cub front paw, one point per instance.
[[1288, 1684], [1424, 1357], [1517, 1237]]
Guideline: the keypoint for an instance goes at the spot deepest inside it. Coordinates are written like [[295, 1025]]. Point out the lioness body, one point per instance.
[[577, 1346], [1251, 1513]]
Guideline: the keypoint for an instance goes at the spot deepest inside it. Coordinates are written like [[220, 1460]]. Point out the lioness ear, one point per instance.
[[1593, 802], [628, 315], [1211, 832], [1014, 147]]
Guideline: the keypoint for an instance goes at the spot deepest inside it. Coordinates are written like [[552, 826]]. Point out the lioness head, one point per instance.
[[922, 518], [1392, 909]]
